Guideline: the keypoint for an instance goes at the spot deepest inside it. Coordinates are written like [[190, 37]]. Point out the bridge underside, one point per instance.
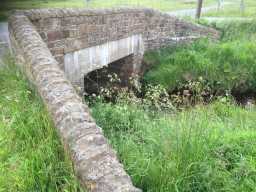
[[125, 56]]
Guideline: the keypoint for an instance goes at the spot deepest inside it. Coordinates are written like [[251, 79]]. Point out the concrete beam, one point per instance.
[[79, 63]]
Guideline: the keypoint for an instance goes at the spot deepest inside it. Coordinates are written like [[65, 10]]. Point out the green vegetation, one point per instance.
[[164, 5], [31, 155], [233, 10], [226, 66], [8, 5], [208, 148]]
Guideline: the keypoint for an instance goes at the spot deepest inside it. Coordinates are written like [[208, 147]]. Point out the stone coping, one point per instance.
[[35, 14]]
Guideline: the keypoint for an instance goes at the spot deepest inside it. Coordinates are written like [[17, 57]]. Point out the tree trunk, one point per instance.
[[199, 9]]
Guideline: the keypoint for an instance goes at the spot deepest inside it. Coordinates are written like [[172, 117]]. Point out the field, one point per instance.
[[163, 5], [31, 155], [233, 10]]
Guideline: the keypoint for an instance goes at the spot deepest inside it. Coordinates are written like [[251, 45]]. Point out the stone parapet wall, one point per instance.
[[69, 30], [162, 30], [95, 162]]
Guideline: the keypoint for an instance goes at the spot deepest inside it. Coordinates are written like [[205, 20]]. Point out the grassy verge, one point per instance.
[[208, 148], [31, 154]]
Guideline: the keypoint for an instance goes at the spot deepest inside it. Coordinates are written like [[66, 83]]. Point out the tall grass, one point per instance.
[[31, 155], [208, 148]]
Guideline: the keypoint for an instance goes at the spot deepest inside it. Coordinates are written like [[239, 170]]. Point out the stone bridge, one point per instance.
[[59, 46], [85, 40]]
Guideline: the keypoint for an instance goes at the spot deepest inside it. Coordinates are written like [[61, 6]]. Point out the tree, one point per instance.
[[199, 9]]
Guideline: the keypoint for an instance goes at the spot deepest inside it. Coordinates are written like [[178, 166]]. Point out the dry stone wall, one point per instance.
[[40, 39]]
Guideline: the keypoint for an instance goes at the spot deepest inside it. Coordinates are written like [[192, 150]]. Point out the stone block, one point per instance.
[[55, 35]]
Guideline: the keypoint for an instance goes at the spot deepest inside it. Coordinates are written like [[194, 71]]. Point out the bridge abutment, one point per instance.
[[123, 57]]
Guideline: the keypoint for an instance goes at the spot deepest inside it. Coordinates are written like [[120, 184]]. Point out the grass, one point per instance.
[[9, 5], [233, 10], [31, 155], [229, 10], [163, 5], [207, 148], [228, 65], [202, 149]]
